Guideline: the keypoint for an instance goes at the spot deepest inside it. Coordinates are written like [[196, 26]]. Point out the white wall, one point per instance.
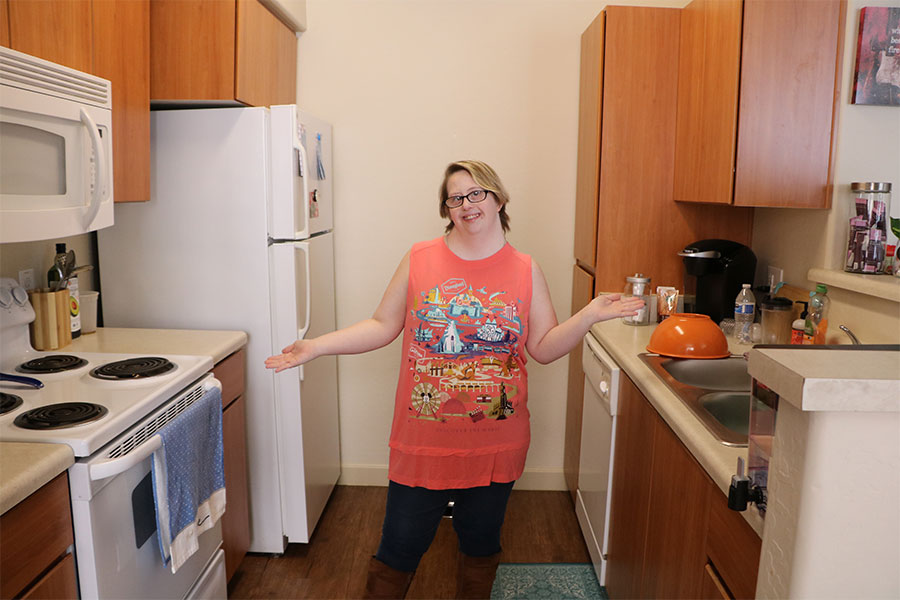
[[868, 149], [409, 87]]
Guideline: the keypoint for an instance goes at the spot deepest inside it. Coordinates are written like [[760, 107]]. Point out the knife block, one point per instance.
[[52, 327]]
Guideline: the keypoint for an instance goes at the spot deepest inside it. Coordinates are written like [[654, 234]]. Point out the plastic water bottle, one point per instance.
[[744, 309], [817, 317]]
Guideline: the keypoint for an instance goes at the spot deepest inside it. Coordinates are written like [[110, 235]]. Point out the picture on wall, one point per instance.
[[877, 75]]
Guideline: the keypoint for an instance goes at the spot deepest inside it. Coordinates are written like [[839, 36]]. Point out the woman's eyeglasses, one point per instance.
[[474, 197]]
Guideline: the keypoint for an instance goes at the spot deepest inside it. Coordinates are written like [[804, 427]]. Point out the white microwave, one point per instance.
[[56, 171]]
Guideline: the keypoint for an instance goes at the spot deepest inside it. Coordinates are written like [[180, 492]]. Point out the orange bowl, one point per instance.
[[689, 335]]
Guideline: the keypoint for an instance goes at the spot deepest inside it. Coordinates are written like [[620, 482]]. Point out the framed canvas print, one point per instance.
[[877, 76]]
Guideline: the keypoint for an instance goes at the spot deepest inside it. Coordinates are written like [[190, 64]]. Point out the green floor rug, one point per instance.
[[554, 581]]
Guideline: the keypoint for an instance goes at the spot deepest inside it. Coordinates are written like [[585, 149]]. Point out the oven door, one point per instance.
[[116, 541]]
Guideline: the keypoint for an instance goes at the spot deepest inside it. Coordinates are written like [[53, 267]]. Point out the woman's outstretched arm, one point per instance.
[[548, 339], [368, 334]]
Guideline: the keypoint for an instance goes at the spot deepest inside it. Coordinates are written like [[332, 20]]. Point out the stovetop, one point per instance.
[[125, 401], [103, 386]]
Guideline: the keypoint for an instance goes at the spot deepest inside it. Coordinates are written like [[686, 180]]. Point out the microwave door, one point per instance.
[[289, 210]]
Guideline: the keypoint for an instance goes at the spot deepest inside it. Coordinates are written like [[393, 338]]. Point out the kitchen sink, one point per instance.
[[717, 391]]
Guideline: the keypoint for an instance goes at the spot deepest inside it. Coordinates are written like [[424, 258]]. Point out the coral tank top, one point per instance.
[[461, 415]]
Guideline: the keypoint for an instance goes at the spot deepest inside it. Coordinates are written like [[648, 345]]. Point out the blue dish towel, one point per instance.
[[189, 478]]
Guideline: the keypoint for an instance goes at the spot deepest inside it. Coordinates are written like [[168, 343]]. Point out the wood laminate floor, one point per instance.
[[540, 527]]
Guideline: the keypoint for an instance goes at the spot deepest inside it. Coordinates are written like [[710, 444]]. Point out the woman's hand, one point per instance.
[[611, 306], [299, 352]]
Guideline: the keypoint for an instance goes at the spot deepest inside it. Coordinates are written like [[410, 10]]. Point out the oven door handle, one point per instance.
[[114, 466]]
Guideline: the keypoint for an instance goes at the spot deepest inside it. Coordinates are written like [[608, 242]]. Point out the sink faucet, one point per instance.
[[853, 338]]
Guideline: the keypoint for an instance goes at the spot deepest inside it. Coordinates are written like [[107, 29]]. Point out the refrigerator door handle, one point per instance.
[[304, 202], [301, 331], [304, 329]]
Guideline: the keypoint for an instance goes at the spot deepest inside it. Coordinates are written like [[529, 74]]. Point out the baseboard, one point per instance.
[[532, 479]]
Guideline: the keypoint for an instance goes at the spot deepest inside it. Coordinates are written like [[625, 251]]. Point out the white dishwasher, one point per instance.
[[598, 436]]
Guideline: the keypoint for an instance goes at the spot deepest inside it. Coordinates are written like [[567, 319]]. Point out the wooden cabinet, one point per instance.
[[60, 31], [757, 97], [122, 55], [221, 52], [671, 533], [626, 221], [34, 556], [231, 372], [110, 39]]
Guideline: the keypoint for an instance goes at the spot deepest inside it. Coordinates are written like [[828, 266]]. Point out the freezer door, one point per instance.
[[315, 136], [300, 150], [306, 402]]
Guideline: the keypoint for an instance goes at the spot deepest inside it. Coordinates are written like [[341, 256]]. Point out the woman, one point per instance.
[[469, 306]]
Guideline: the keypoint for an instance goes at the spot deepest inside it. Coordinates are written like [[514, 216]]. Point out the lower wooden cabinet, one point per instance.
[[35, 537], [230, 372], [671, 534]]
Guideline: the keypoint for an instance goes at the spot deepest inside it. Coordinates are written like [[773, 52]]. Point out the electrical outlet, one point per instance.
[[26, 278], [774, 275]]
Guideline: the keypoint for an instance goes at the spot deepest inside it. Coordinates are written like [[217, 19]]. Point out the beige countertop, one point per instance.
[[850, 380], [198, 342], [624, 343], [25, 467]]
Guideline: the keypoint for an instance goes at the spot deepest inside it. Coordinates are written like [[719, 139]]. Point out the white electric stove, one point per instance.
[[107, 408]]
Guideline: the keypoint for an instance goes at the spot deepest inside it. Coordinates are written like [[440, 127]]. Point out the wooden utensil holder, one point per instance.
[[52, 326]]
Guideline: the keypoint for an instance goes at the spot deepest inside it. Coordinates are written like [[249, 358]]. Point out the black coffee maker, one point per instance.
[[713, 273]]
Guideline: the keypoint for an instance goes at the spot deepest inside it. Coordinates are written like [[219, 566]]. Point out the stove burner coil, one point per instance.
[[60, 416], [133, 368], [9, 402], [54, 363]]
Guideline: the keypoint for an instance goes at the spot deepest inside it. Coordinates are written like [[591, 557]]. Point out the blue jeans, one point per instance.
[[413, 515]]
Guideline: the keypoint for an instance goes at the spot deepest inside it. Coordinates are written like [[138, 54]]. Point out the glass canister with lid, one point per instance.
[[866, 247], [638, 285]]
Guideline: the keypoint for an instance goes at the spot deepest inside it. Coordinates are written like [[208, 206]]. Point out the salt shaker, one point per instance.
[[639, 286], [868, 227]]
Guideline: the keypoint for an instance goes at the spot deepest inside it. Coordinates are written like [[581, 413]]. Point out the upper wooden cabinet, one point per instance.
[[221, 52], [56, 30], [111, 39], [757, 96], [626, 221], [122, 54]]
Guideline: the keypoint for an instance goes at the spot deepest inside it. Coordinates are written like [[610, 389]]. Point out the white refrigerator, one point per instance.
[[238, 235]]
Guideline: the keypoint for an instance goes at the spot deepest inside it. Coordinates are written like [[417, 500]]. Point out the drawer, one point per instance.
[[230, 371], [35, 533]]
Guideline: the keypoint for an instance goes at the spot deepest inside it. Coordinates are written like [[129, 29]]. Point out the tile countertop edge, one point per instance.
[[198, 342], [26, 467], [624, 343]]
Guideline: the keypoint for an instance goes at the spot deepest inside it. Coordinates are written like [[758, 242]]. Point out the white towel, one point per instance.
[[189, 478]]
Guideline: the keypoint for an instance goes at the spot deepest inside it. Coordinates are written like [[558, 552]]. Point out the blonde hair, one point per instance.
[[484, 176]]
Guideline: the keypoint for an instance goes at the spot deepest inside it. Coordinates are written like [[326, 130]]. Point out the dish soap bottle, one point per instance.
[[816, 325], [744, 311], [799, 325]]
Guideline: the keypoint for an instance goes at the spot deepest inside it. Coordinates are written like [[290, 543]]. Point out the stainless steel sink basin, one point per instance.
[[725, 374], [717, 391]]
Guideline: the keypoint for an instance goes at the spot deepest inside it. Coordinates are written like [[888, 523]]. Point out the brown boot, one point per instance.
[[386, 582], [475, 575]]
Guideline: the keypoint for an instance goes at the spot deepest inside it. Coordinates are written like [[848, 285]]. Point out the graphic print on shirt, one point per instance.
[[464, 354]]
